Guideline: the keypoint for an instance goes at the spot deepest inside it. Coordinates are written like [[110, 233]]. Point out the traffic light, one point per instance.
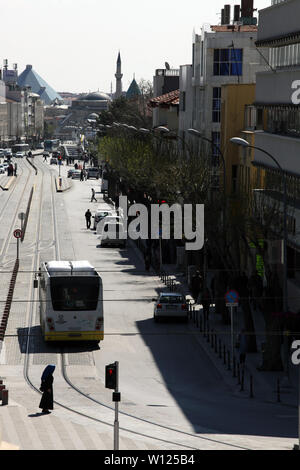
[[111, 376]]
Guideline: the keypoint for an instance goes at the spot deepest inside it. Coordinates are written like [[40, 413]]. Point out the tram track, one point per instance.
[[62, 355]]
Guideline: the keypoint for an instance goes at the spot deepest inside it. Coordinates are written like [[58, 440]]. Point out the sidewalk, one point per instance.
[[264, 384]]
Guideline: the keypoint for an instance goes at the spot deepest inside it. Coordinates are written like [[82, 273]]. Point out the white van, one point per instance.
[[101, 213], [113, 233], [113, 217], [103, 186]]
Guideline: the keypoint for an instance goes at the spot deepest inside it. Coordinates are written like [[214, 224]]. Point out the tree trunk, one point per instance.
[[249, 326]]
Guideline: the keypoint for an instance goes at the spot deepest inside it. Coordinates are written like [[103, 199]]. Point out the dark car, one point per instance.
[[92, 173]]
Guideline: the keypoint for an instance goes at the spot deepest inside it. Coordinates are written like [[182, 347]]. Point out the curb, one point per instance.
[[9, 183], [61, 184]]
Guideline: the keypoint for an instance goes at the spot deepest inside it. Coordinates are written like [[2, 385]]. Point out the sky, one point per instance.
[[74, 44]]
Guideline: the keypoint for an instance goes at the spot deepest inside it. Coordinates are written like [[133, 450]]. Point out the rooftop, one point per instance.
[[168, 99]]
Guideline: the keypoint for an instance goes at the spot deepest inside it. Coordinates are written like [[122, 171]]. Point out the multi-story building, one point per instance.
[[3, 113], [224, 54], [278, 123], [165, 83], [21, 110]]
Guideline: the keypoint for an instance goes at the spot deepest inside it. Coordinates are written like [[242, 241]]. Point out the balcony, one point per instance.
[[279, 24], [167, 72], [276, 87], [286, 150]]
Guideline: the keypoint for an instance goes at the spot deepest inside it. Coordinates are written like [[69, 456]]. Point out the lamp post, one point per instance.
[[165, 130]]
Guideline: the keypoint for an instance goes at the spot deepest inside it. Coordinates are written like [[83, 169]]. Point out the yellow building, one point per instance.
[[238, 114]]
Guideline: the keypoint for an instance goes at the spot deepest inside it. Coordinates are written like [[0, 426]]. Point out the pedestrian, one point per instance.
[[256, 287], [81, 176], [46, 387], [147, 259], [196, 285], [206, 301], [243, 346], [88, 216], [93, 196]]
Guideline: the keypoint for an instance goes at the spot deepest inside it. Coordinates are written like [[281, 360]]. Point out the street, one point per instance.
[[171, 393]]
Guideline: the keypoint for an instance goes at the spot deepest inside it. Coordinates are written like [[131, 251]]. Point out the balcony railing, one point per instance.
[[167, 72]]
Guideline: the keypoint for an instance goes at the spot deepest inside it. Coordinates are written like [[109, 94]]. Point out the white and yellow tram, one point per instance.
[[71, 301]]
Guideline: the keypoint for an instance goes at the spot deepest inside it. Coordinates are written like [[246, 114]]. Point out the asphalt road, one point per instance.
[[165, 375]]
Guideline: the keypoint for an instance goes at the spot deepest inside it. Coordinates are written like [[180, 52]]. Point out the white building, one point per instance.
[[226, 54], [278, 121]]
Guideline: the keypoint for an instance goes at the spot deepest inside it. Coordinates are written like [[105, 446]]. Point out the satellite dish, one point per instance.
[[167, 66]]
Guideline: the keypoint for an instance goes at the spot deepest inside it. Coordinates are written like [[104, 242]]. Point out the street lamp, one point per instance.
[[165, 130]]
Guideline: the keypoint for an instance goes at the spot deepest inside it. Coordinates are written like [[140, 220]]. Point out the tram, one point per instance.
[[71, 301], [51, 145]]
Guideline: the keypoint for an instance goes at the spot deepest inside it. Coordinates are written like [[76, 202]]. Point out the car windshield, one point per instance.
[[171, 299]]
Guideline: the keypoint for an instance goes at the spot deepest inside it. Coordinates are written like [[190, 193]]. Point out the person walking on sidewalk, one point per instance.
[[46, 387], [93, 196], [205, 301], [243, 345], [88, 216], [147, 259], [196, 285]]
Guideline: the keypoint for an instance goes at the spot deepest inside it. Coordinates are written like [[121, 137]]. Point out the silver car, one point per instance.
[[170, 305]]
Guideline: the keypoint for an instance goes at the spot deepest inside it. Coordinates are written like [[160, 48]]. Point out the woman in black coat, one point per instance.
[[46, 402]]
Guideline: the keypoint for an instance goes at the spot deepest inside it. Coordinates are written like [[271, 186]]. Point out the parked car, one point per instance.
[[103, 185], [113, 233], [92, 172], [19, 154], [53, 161], [101, 213], [111, 217], [2, 152], [76, 174], [170, 305], [70, 172], [40, 146], [8, 153]]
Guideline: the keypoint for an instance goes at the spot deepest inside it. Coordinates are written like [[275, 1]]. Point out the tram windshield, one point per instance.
[[74, 293]]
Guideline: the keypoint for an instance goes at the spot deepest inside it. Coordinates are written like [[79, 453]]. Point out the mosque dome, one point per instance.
[[95, 96]]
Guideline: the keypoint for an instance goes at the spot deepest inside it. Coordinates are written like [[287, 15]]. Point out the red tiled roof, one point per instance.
[[235, 28], [169, 99]]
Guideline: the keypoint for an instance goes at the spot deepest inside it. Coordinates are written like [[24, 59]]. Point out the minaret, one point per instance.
[[118, 76]]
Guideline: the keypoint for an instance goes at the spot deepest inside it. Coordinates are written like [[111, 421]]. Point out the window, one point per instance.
[[182, 101], [228, 62], [216, 106], [74, 293], [216, 138]]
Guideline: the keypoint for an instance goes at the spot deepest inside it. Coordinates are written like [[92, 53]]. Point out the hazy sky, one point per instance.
[[74, 44]]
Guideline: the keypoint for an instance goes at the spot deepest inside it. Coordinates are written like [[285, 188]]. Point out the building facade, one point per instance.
[[278, 124]]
